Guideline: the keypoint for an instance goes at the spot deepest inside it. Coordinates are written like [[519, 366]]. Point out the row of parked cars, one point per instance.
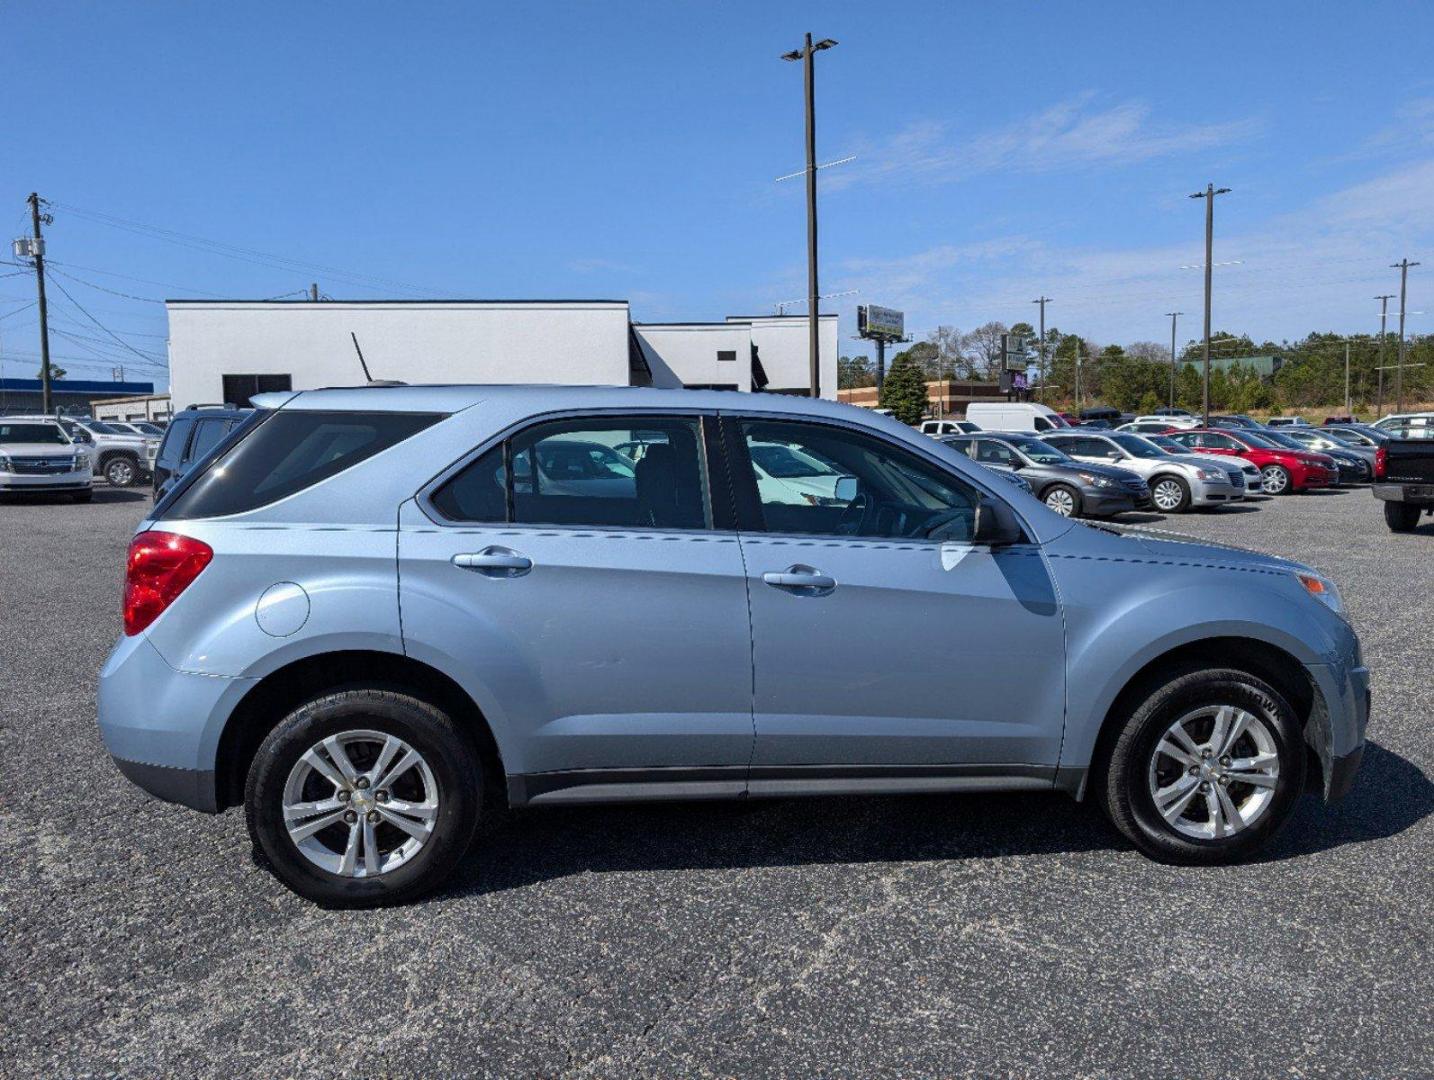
[[64, 454], [1090, 467]]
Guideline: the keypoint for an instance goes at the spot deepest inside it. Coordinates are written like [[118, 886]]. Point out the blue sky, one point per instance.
[[629, 150]]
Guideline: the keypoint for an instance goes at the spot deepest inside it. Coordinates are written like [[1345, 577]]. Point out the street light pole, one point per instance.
[[806, 54], [1043, 300], [1173, 316], [1209, 196], [1383, 316], [1402, 266]]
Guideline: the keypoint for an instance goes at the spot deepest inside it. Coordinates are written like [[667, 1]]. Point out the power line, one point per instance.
[[101, 288], [102, 326]]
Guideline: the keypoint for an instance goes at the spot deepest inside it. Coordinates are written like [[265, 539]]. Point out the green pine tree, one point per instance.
[[904, 391]]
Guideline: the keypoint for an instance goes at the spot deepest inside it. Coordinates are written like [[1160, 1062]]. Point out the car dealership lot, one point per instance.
[[944, 935]]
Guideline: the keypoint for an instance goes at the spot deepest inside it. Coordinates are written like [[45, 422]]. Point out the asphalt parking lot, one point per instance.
[[1012, 935]]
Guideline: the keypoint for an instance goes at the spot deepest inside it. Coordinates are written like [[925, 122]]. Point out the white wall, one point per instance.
[[782, 346], [686, 354], [582, 342]]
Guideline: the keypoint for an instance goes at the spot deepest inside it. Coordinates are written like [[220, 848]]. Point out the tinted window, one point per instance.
[[478, 493], [571, 472], [874, 488], [284, 452], [206, 437], [32, 433], [990, 452], [174, 439]]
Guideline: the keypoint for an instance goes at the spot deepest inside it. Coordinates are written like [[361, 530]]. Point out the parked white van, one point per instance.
[[1014, 416]]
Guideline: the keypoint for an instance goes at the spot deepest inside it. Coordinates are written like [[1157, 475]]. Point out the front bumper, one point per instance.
[[1214, 492], [26, 483], [162, 726], [1107, 502], [1337, 723]]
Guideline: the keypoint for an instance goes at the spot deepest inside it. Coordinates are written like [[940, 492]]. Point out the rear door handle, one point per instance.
[[495, 562], [802, 580]]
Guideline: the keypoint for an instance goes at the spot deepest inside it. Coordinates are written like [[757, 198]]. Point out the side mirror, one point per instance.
[[846, 488], [995, 524]]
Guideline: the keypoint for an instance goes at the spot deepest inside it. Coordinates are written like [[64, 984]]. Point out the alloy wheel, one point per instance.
[[1213, 773], [1274, 479], [360, 803], [119, 472], [1061, 501], [1167, 495]]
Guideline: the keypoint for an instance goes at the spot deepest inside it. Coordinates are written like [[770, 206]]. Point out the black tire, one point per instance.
[[1276, 480], [1182, 505], [1401, 516], [445, 747], [1122, 782], [121, 470], [1060, 493], [83, 496]]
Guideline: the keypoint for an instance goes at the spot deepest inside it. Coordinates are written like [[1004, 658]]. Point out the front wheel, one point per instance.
[[1206, 769], [1064, 500], [363, 798], [1275, 479], [1401, 516], [1170, 494], [121, 472]]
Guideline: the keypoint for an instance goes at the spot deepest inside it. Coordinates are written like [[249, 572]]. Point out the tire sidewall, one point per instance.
[[1072, 492], [1129, 790], [118, 460], [448, 753]]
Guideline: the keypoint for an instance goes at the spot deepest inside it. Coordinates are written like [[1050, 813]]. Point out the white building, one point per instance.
[[227, 350]]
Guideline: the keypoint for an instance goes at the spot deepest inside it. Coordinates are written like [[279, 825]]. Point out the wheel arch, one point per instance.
[[282, 690], [1264, 660]]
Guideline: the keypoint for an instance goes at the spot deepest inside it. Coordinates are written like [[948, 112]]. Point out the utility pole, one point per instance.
[[1402, 266], [1173, 316], [314, 293], [1347, 411], [37, 250], [1383, 315], [1077, 371], [807, 54], [1043, 300], [1209, 196]]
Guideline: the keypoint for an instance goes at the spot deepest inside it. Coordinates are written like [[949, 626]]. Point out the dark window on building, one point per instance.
[[727, 355], [238, 389]]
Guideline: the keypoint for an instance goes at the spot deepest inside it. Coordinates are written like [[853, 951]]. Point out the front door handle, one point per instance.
[[802, 580], [495, 561]]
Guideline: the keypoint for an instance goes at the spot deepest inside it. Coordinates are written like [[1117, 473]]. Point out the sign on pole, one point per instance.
[[1013, 352], [880, 323]]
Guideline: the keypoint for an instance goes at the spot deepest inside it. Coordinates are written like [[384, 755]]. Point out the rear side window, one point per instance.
[[288, 451], [174, 439], [206, 437]]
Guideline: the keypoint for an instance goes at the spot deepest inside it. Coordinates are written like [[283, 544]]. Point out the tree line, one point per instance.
[[1308, 373]]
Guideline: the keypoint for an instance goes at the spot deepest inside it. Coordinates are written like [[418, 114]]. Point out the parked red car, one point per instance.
[[1281, 470]]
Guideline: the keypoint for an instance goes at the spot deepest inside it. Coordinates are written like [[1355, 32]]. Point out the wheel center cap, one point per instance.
[[362, 801]]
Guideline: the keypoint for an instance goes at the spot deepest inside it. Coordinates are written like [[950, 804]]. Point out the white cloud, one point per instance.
[[1071, 134]]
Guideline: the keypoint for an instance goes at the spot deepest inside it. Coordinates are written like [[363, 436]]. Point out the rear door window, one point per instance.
[[285, 452], [171, 451], [207, 434]]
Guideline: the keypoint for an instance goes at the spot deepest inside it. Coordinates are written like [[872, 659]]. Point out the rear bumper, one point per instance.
[[162, 726], [1410, 493]]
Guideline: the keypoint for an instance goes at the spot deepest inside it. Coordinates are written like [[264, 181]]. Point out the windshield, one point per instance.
[[1166, 443], [32, 433], [786, 463], [148, 429], [102, 429], [1136, 446], [1279, 438], [1039, 452], [1263, 441]]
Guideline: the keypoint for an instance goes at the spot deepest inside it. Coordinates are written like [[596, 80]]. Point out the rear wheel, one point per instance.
[[1063, 500], [1206, 769], [363, 798], [1170, 494], [1275, 479], [1401, 516]]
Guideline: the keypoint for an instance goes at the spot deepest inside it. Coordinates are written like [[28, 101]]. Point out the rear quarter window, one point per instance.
[[287, 452]]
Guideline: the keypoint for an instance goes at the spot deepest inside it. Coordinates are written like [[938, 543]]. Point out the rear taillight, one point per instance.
[[160, 567], [1381, 462]]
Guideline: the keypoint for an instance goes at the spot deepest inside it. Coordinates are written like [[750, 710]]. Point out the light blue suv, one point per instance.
[[372, 615]]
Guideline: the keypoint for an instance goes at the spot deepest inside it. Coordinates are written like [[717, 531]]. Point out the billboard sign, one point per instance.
[[1013, 353], [880, 322]]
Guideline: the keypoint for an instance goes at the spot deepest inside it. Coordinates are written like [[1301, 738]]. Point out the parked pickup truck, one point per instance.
[[1404, 481]]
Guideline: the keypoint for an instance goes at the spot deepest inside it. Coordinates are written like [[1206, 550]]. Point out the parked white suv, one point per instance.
[[37, 456], [1176, 483], [122, 458]]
